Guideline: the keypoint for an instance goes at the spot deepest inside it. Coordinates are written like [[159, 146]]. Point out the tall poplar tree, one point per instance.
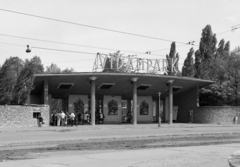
[[207, 51], [188, 69], [171, 58]]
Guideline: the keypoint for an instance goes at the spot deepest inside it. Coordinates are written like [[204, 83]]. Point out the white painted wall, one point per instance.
[[145, 118], [112, 118]]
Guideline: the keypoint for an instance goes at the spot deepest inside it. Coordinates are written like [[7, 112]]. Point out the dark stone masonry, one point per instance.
[[22, 116], [216, 114]]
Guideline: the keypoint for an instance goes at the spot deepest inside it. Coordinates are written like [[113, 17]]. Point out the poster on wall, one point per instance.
[[175, 112], [112, 107], [144, 108]]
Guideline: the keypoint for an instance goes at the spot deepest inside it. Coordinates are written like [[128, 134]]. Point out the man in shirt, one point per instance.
[[63, 115]]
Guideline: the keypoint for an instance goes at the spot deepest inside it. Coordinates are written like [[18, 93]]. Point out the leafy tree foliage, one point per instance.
[[214, 61], [117, 63], [188, 69], [8, 77], [206, 54], [53, 69], [234, 75], [68, 71], [24, 83], [171, 58]]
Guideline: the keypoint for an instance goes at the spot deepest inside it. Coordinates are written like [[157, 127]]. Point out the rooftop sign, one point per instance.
[[133, 64]]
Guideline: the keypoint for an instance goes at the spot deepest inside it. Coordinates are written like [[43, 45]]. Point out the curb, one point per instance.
[[234, 159]]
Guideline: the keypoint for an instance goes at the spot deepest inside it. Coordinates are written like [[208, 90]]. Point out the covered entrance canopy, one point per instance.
[[127, 85]]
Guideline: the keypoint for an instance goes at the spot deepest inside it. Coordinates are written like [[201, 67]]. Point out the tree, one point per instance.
[[220, 49], [172, 68], [227, 47], [53, 69], [234, 75], [198, 60], [213, 95], [24, 83], [206, 54], [68, 71], [8, 76], [213, 63], [117, 63], [188, 69]]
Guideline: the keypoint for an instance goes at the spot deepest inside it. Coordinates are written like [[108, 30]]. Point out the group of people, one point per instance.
[[71, 119]]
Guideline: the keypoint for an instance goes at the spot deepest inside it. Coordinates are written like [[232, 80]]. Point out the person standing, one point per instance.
[[58, 119], [54, 119], [40, 120], [72, 116], [79, 118], [86, 117], [67, 118], [101, 118], [63, 115]]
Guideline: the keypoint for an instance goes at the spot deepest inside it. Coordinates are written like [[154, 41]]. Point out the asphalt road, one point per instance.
[[196, 156], [63, 139]]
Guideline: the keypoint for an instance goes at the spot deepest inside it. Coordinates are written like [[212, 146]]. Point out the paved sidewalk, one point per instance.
[[25, 135]]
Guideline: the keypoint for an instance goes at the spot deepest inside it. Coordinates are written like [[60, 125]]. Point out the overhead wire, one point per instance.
[[235, 25], [95, 27], [89, 26], [72, 44], [60, 50], [6, 43], [232, 30], [70, 61]]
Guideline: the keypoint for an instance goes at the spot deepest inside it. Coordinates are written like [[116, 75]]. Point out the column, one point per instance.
[[45, 93], [198, 96], [166, 112], [170, 99], [134, 82], [93, 100], [159, 109]]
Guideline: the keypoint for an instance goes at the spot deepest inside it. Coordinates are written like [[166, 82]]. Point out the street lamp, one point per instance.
[[28, 50], [159, 110]]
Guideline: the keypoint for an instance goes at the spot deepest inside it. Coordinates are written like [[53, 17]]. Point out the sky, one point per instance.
[[174, 20]]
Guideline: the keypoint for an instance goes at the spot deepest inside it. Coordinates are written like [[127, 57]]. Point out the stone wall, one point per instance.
[[216, 114], [22, 116]]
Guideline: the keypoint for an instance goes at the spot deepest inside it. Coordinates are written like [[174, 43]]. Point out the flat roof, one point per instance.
[[122, 83]]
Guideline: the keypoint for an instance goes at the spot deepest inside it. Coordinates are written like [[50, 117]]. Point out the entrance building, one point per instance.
[[143, 97]]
